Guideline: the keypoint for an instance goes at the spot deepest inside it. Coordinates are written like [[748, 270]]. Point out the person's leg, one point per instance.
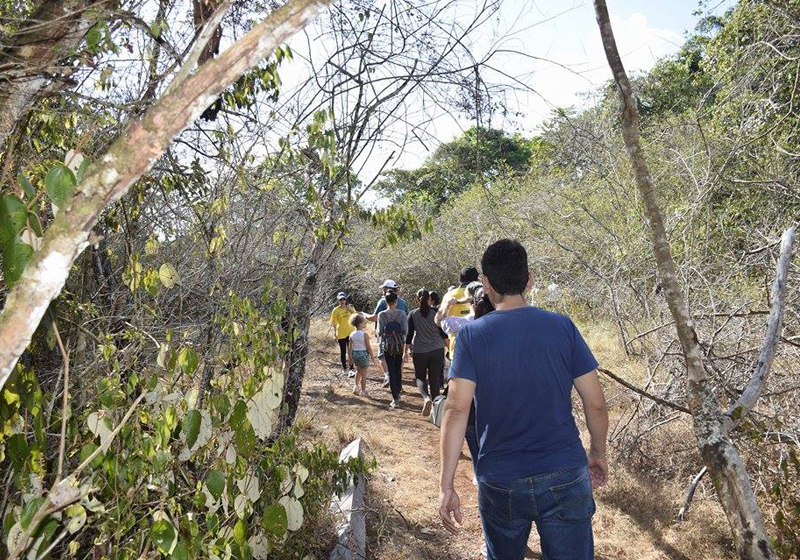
[[566, 506], [394, 364], [343, 352], [362, 378], [506, 514], [420, 362], [435, 371], [385, 369]]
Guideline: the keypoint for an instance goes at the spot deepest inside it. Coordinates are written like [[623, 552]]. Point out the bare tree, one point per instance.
[[712, 426]]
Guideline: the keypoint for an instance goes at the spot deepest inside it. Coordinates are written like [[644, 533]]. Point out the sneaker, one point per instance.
[[426, 407], [385, 382], [394, 404], [366, 394], [351, 374], [355, 389]]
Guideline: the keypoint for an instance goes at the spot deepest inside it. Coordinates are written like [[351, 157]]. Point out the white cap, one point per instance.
[[389, 284]]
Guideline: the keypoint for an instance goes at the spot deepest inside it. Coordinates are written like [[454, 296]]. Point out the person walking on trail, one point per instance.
[[479, 305], [360, 351], [340, 320], [424, 342], [519, 365], [460, 306], [386, 287], [436, 301], [392, 331]]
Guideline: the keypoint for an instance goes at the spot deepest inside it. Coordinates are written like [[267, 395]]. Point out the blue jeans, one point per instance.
[[560, 503]]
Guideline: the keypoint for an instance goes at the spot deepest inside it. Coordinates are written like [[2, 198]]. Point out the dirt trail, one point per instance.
[[634, 518]]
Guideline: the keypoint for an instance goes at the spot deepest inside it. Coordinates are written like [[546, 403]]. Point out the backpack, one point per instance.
[[437, 411], [392, 340]]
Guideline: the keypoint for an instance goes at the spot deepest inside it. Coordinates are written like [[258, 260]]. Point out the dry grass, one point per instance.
[[635, 514]]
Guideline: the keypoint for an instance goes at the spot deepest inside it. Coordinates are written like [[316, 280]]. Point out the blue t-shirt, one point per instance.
[[383, 306], [523, 362]]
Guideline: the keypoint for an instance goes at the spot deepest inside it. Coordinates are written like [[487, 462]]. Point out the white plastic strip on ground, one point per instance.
[[349, 513]]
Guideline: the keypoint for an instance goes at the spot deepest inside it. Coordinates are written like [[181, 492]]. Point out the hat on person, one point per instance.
[[341, 295], [389, 284]]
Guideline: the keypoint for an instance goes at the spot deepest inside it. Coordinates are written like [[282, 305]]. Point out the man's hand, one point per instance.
[[598, 469], [450, 510]]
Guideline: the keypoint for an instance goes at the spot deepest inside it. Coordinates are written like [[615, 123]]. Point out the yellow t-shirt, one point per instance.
[[458, 310], [340, 319]]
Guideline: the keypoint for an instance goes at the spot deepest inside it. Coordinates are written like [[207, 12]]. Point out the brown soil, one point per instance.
[[635, 513]]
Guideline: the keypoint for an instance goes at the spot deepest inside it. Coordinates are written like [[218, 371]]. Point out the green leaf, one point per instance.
[[180, 552], [168, 275], [13, 216], [245, 439], [15, 257], [187, 360], [275, 521], [215, 482], [29, 510], [18, 450], [77, 517], [239, 416], [59, 184], [93, 38], [81, 172], [191, 427], [240, 532], [163, 535], [26, 186]]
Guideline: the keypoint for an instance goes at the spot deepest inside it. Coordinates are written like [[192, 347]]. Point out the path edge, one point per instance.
[[349, 513]]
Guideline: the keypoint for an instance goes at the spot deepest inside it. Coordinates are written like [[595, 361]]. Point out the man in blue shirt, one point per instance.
[[519, 365]]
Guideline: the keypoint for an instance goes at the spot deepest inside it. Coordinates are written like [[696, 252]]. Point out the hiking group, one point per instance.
[[508, 393]]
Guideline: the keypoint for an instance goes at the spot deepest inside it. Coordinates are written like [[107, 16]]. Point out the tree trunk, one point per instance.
[[31, 62], [130, 156], [718, 452], [298, 352]]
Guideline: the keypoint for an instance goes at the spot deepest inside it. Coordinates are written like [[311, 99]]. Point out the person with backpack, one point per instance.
[[392, 331], [386, 287], [519, 365], [424, 342], [457, 300]]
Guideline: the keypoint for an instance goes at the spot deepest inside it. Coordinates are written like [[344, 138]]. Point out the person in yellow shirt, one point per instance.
[[342, 329], [460, 300]]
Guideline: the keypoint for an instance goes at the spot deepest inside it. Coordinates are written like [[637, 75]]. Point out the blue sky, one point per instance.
[[551, 52]]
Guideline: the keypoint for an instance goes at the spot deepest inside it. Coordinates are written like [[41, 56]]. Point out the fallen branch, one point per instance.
[[690, 494], [644, 393]]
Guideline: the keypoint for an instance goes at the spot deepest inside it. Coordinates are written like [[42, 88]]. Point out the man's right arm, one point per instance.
[[594, 408]]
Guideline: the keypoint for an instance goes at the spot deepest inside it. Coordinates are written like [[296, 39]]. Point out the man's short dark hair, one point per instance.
[[391, 298], [505, 264], [469, 274]]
